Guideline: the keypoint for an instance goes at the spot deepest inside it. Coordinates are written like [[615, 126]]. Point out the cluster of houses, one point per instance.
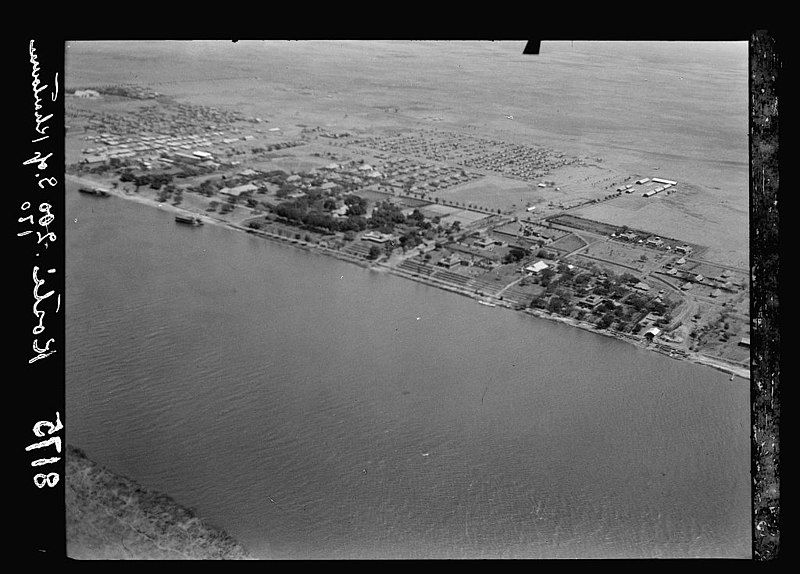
[[533, 233], [332, 179], [654, 241], [404, 174], [175, 119], [154, 150], [652, 186], [723, 282], [166, 134], [521, 161]]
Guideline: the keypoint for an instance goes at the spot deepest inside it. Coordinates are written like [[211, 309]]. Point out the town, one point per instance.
[[495, 220]]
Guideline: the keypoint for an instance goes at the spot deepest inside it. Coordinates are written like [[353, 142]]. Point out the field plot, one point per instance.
[[436, 210], [592, 226], [293, 163], [690, 214], [627, 256], [495, 192], [464, 217], [568, 243]]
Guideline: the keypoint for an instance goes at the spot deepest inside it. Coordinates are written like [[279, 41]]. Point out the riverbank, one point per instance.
[[111, 517], [694, 357]]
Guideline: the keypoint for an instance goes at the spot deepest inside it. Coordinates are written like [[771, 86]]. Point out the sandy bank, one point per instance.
[[110, 517]]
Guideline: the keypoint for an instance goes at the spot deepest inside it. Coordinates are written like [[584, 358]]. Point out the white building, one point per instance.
[[652, 333], [376, 237], [537, 267], [87, 94], [239, 190]]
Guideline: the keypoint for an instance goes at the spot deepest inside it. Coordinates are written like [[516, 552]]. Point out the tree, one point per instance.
[[514, 254], [537, 302], [556, 304], [374, 252], [546, 276], [606, 321]]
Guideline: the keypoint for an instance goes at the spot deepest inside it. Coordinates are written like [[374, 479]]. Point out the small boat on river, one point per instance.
[[188, 220], [94, 191]]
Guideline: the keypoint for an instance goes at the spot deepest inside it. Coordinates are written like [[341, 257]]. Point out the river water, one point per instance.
[[315, 409]]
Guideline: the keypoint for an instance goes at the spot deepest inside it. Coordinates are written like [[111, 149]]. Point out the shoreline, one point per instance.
[[112, 517], [693, 357]]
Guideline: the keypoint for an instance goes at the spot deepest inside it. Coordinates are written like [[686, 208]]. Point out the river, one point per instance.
[[316, 409]]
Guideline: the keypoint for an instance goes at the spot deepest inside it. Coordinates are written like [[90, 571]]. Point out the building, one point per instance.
[[187, 157], [652, 333], [643, 180], [376, 237], [87, 94], [203, 155], [340, 211], [537, 267], [686, 249], [641, 286], [667, 181], [450, 261], [649, 193], [239, 190], [744, 342], [589, 302], [655, 241]]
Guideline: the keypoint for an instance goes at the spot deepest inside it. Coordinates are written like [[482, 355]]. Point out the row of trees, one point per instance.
[[154, 180], [298, 212]]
